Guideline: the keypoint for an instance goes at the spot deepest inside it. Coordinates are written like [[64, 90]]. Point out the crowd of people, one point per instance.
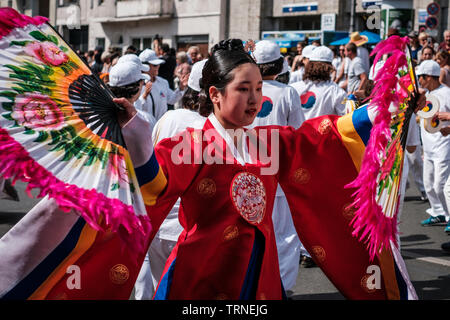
[[230, 89]]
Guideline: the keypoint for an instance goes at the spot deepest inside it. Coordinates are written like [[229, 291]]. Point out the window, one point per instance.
[[147, 42], [136, 42], [100, 42]]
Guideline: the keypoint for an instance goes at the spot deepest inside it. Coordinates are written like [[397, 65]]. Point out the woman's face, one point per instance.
[[427, 54], [238, 105]]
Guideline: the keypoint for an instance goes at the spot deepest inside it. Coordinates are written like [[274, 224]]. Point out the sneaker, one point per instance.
[[423, 197], [307, 262], [433, 220]]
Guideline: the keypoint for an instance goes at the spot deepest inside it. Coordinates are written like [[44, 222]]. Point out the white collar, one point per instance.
[[241, 157]]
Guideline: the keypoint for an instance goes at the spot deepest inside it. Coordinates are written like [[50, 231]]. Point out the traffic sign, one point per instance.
[[431, 22], [433, 9]]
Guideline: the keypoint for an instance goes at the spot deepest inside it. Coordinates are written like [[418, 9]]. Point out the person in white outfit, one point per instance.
[[412, 143], [155, 98], [445, 131], [134, 59], [318, 94], [280, 106], [436, 147], [306, 54], [171, 123]]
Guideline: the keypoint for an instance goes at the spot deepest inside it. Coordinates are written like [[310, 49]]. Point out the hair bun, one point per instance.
[[228, 45]]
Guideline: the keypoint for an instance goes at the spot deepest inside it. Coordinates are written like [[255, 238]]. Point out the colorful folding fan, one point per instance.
[[58, 128], [378, 183]]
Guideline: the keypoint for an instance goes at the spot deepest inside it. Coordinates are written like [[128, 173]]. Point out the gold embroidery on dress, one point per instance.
[[230, 233], [301, 176], [319, 253], [324, 126], [206, 187], [364, 284], [119, 274], [348, 211]]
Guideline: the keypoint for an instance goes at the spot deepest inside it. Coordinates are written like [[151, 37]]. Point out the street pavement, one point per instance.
[[428, 265]]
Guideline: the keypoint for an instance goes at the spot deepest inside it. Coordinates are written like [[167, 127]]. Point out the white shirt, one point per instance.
[[297, 75], [320, 98], [435, 145], [280, 106], [172, 123], [162, 96], [355, 69], [364, 55]]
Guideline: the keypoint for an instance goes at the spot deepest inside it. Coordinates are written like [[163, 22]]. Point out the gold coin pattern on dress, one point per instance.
[[319, 253], [324, 126], [301, 176], [348, 211], [364, 284], [119, 274], [206, 188], [230, 233]]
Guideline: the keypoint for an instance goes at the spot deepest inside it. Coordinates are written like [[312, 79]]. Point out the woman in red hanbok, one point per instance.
[[227, 177]]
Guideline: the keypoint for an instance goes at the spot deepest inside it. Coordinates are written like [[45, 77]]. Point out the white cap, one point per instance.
[[266, 51], [126, 73], [322, 54], [286, 67], [130, 57], [196, 75], [429, 68], [150, 56], [307, 51]]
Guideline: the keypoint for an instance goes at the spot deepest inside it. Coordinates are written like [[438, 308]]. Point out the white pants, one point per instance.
[[415, 163], [288, 244], [435, 174], [150, 273], [447, 192]]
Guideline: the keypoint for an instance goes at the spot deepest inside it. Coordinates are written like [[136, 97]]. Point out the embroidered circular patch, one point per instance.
[[119, 274], [249, 197], [206, 188], [301, 176], [319, 253]]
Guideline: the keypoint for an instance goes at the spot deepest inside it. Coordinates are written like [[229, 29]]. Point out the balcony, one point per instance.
[[144, 8]]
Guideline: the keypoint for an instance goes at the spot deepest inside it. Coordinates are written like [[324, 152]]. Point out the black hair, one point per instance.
[[128, 91], [225, 57], [271, 68], [190, 100], [284, 77], [352, 47], [318, 71]]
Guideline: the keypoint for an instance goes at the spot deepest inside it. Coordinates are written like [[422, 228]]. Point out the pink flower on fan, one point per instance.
[[118, 169], [47, 52], [35, 110]]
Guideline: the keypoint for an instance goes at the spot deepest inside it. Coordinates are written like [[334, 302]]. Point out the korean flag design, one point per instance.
[[266, 107], [308, 99]]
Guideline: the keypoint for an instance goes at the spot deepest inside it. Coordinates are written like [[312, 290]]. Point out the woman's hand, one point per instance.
[[126, 115]]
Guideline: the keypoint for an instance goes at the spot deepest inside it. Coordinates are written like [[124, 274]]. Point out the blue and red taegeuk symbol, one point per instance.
[[266, 107], [308, 99]]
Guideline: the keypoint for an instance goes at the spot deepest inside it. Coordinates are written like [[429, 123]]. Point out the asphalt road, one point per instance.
[[427, 264]]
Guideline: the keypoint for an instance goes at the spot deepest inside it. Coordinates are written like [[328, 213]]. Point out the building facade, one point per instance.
[[182, 23]]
